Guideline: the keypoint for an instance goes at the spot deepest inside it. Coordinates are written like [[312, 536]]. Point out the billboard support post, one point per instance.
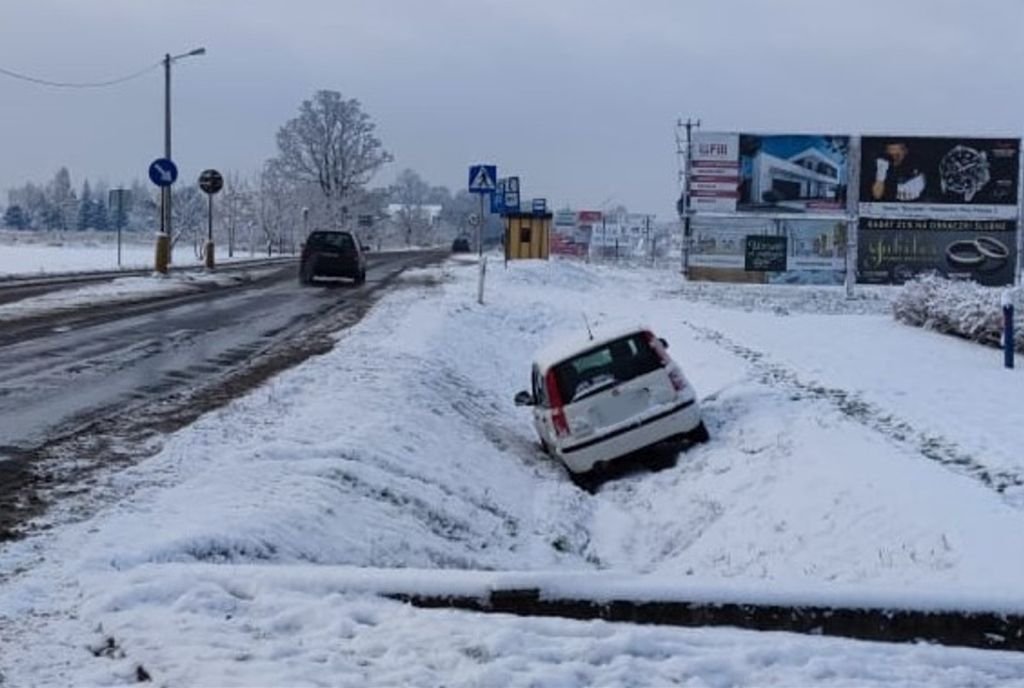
[[851, 256], [1008, 339], [684, 248], [1018, 276]]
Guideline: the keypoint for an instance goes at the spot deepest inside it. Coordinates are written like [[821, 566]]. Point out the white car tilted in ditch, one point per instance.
[[599, 399]]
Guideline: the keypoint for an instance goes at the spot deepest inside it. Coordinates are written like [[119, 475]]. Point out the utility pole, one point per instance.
[[164, 238], [686, 211]]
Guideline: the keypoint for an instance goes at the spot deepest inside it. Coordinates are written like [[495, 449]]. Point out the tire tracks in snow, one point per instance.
[[852, 405]]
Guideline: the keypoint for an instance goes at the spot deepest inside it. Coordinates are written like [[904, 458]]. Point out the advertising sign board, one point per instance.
[[930, 177], [765, 253], [892, 251], [771, 174], [793, 173]]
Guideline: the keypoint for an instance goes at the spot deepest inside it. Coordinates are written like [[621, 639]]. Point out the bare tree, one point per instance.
[[412, 220], [189, 208], [277, 211], [330, 144]]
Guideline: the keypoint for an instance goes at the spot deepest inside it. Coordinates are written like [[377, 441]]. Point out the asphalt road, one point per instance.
[[81, 382]]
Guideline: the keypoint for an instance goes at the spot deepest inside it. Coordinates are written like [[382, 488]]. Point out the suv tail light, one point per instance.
[[558, 418], [674, 374]]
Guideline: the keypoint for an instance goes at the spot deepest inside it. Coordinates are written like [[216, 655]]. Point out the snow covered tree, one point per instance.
[[189, 221], [331, 145], [32, 200], [410, 194], [62, 201], [15, 217], [85, 209]]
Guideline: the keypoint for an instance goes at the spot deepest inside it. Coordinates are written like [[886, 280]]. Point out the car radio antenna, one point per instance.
[[587, 323]]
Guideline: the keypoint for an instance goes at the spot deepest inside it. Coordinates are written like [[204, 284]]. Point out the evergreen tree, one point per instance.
[[85, 209], [15, 217], [100, 216]]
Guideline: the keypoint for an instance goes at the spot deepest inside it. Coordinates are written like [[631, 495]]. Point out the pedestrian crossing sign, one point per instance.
[[483, 179]]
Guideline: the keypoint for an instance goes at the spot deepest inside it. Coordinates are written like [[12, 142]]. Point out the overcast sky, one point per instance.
[[579, 97]]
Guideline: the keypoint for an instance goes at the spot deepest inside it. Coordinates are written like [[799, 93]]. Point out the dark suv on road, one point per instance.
[[332, 254]]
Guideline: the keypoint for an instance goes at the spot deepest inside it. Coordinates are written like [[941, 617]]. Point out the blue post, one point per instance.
[[1008, 334]]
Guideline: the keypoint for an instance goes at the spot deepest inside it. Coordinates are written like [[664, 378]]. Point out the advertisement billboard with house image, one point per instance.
[[793, 173]]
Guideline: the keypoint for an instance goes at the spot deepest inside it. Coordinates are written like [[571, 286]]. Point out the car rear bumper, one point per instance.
[[329, 266], [583, 456]]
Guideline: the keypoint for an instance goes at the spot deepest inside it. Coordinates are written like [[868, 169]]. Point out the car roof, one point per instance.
[[330, 231], [572, 345]]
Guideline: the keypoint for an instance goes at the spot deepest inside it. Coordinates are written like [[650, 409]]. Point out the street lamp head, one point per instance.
[[191, 53]]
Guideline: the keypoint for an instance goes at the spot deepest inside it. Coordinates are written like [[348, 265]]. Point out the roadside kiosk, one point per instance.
[[527, 235]]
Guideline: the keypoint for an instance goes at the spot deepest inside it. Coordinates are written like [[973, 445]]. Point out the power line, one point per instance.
[[82, 84]]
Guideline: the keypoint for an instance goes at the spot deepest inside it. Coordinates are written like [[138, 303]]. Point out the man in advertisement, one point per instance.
[[898, 176]]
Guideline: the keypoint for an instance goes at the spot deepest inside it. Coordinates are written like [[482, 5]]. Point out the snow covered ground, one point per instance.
[[29, 253], [851, 457]]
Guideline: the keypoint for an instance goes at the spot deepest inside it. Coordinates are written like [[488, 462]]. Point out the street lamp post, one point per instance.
[[163, 239]]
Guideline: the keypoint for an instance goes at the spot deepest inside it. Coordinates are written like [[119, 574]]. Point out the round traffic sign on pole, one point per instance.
[[474, 220], [163, 172], [211, 181]]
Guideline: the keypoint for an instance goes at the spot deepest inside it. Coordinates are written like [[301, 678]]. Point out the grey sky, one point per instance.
[[578, 97]]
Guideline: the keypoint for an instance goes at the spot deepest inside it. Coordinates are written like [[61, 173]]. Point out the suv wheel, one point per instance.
[[699, 434]]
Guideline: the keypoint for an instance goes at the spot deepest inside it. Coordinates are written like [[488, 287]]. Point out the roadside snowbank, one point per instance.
[[402, 448]]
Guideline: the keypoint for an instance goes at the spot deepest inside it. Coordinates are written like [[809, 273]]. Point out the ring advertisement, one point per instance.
[[894, 251]]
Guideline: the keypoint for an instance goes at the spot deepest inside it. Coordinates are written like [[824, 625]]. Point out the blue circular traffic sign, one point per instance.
[[163, 172]]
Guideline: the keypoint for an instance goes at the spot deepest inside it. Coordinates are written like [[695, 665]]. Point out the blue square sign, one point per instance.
[[483, 178]]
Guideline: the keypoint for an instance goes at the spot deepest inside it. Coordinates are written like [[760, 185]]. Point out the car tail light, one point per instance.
[[674, 374], [558, 418]]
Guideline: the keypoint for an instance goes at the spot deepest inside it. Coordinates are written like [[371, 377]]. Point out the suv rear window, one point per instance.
[[332, 241], [605, 366]]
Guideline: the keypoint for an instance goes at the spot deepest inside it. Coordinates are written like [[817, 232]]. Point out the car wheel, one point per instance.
[[305, 275], [361, 277], [588, 482], [699, 434]]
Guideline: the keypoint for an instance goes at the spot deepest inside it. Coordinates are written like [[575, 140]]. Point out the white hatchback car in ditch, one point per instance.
[[599, 399]]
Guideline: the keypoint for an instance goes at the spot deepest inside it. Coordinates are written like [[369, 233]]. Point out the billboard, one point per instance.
[[714, 172], [793, 173], [774, 174], [815, 248], [931, 177], [893, 250], [571, 235]]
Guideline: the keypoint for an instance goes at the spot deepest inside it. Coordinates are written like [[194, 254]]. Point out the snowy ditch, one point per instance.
[[402, 449]]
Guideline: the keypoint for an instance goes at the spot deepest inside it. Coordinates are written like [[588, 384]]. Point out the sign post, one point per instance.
[[483, 180], [210, 181], [163, 172]]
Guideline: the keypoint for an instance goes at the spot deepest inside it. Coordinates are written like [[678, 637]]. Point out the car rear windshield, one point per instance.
[[332, 241], [605, 366]]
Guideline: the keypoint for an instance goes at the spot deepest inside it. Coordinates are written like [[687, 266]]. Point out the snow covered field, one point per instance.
[[851, 457], [26, 253]]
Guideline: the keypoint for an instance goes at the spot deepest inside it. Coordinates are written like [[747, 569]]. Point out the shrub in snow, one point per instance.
[[961, 308]]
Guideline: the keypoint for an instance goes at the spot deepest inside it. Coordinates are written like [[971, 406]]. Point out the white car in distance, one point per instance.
[[598, 400]]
